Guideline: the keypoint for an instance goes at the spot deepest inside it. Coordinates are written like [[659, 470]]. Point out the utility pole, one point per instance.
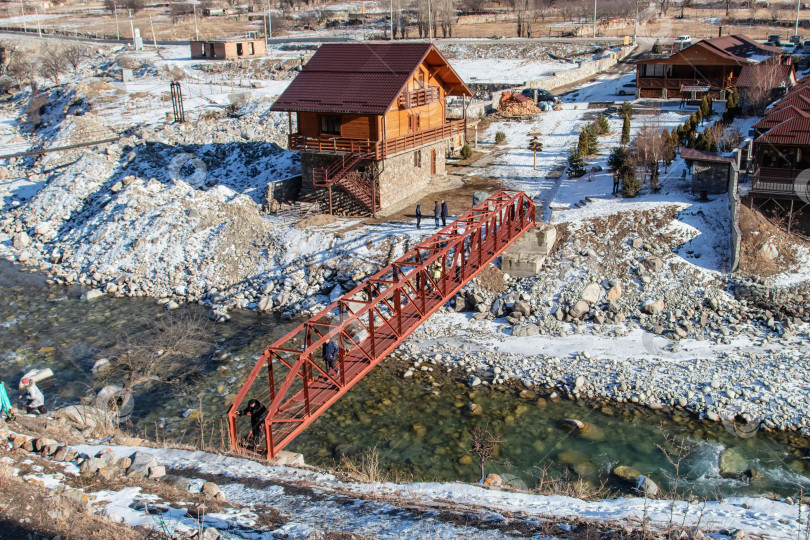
[[196, 30], [392, 20], [22, 16], [131, 27], [594, 18], [39, 29], [430, 22], [798, 5], [269, 22], [117, 29], [154, 38], [635, 26]]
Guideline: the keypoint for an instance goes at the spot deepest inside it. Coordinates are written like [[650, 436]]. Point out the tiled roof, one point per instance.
[[777, 116], [700, 155], [736, 49], [798, 97], [795, 131], [362, 78]]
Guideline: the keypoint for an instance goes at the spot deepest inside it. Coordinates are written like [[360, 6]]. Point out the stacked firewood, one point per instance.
[[516, 105]]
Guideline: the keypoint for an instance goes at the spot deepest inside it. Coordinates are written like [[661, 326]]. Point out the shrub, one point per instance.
[[626, 110], [625, 130], [500, 137], [466, 151]]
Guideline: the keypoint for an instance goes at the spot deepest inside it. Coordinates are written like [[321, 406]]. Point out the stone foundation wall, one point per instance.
[[402, 177]]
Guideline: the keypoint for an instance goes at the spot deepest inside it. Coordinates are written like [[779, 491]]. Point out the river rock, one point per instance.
[[141, 463], [92, 294], [615, 293], [653, 307], [628, 474], [591, 293], [653, 263], [21, 240], [525, 330], [580, 308], [210, 490], [732, 464], [474, 409]]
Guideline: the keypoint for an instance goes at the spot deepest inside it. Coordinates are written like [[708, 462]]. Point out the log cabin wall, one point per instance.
[[399, 121]]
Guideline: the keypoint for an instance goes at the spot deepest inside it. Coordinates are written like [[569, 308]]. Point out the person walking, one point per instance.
[[444, 213], [330, 357], [257, 413], [418, 216], [616, 182], [436, 212], [35, 401], [5, 403]]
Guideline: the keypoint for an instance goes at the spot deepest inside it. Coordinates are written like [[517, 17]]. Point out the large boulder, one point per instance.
[[653, 307], [580, 308], [525, 330], [628, 474], [732, 464], [84, 417], [614, 293], [591, 293], [653, 263], [141, 463]]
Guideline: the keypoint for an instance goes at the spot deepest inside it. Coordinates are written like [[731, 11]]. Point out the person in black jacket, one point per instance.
[[436, 212], [445, 213], [330, 356], [257, 413], [418, 216]]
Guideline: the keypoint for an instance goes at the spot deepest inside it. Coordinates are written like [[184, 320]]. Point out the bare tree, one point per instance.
[[474, 6], [649, 149], [483, 444], [74, 56], [766, 77], [53, 63], [132, 5], [685, 4], [663, 6], [170, 351]]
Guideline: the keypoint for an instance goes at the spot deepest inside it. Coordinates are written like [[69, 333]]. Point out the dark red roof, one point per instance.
[[736, 49], [362, 78], [798, 97], [777, 116], [699, 155], [795, 131]]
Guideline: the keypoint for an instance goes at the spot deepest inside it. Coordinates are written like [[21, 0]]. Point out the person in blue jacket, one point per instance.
[[418, 216]]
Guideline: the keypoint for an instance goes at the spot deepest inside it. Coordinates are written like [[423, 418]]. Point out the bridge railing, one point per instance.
[[368, 322]]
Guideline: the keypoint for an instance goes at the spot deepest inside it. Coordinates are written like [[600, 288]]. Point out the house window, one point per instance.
[[656, 70], [330, 124], [417, 158], [421, 78], [413, 123]]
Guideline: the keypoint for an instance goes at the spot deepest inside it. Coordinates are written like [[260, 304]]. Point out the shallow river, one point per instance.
[[421, 430]]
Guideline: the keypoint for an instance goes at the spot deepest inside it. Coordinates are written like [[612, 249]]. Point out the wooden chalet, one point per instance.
[[371, 122], [709, 66], [782, 154]]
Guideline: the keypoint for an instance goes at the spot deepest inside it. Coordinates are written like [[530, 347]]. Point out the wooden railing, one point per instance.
[[775, 181], [423, 96], [376, 149]]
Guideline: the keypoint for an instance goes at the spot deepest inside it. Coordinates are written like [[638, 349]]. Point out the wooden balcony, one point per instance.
[[376, 149], [423, 96], [778, 183]]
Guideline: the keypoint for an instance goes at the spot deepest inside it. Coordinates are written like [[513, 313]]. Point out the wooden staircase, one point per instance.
[[342, 173]]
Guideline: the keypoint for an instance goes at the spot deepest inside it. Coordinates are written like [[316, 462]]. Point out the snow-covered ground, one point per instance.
[[414, 510], [506, 71]]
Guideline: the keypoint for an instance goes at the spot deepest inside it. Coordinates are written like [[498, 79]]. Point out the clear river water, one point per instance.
[[420, 429]]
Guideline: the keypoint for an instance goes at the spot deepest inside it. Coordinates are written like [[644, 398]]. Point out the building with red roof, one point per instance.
[[370, 122], [708, 66]]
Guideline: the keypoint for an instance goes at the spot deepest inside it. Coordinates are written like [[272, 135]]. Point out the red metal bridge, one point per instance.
[[290, 378]]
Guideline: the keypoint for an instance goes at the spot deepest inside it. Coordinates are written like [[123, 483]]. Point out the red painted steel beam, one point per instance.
[[392, 304]]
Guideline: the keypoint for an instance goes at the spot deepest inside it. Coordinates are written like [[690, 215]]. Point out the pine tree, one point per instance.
[[625, 130], [593, 139], [691, 139], [630, 184], [626, 109], [706, 106], [576, 165], [583, 144], [603, 124]]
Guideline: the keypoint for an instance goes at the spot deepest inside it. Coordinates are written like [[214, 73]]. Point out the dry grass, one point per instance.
[[757, 231], [365, 468]]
